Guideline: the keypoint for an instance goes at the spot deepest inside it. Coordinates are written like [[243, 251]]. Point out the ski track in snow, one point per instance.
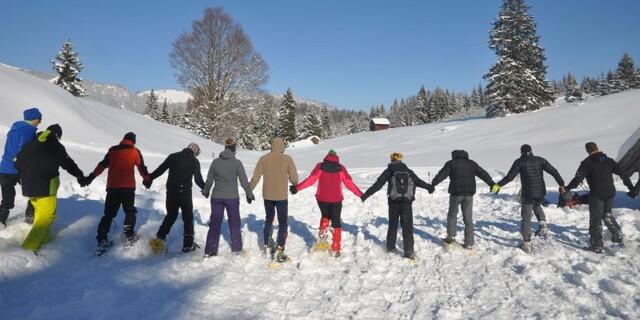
[[559, 280]]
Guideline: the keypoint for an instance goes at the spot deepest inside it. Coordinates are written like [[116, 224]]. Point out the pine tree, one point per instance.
[[311, 126], [517, 81], [571, 89], [165, 117], [151, 105], [326, 123], [626, 73], [423, 112], [287, 118], [67, 66]]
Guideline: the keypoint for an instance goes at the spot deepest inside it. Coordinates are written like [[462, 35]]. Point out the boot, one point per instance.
[[324, 224], [280, 256], [617, 237], [337, 238], [543, 231], [158, 245], [4, 215], [192, 247], [29, 213], [449, 240], [526, 246]]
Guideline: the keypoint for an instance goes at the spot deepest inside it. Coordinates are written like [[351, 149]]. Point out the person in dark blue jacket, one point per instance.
[[21, 133]]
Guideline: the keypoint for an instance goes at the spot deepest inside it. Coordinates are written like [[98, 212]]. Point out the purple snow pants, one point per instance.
[[233, 216]]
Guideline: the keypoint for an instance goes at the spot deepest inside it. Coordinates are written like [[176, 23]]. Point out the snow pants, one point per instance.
[[45, 214], [115, 199], [270, 207], [178, 201], [218, 207], [600, 210], [331, 212], [530, 206], [401, 211], [466, 204], [8, 184]]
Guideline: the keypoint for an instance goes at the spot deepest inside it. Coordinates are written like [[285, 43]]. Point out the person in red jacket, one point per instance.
[[121, 186], [330, 175]]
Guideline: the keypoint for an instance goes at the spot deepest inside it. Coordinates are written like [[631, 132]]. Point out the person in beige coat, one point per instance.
[[277, 169]]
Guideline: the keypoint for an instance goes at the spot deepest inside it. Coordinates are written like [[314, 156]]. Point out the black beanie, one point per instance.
[[56, 129], [525, 149], [591, 147], [131, 137]]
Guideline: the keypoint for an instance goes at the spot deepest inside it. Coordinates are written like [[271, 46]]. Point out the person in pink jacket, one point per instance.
[[330, 175]]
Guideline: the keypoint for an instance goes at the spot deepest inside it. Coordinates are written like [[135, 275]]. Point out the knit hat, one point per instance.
[[332, 153], [396, 156], [56, 130], [230, 144], [525, 149], [32, 114], [195, 148], [131, 137], [591, 147]]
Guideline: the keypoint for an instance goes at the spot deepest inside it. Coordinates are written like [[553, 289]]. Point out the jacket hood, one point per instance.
[[332, 158], [397, 166], [44, 136], [277, 145], [20, 125], [598, 157], [227, 154], [127, 142], [459, 154]]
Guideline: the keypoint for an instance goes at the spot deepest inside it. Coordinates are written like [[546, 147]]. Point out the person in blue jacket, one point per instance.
[[21, 133]]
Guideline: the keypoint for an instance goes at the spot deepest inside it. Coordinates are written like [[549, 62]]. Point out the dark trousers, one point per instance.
[[178, 201], [600, 210], [115, 199], [270, 207], [8, 184], [466, 203], [218, 207], [403, 212], [529, 207], [332, 212]]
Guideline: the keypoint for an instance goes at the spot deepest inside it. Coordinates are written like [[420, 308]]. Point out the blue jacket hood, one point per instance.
[[21, 133]]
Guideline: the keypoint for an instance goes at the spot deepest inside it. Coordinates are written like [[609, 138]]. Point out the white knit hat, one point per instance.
[[195, 148]]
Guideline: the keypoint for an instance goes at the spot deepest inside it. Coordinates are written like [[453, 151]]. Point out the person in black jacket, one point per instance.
[[183, 166], [401, 182], [37, 164], [598, 169], [462, 173], [531, 169]]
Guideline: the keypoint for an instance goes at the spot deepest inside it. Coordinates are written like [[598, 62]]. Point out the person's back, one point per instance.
[[277, 169], [122, 159], [225, 172], [21, 132], [183, 166], [600, 175], [462, 173]]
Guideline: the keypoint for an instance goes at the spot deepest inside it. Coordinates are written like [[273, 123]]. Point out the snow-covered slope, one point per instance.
[[557, 281], [172, 96]]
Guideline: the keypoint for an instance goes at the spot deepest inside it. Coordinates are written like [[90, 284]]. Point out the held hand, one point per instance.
[[495, 188], [431, 189], [205, 193], [633, 193], [250, 198], [293, 189], [363, 198], [147, 183], [562, 189]]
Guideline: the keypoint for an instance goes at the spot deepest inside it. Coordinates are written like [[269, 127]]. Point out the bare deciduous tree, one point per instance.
[[217, 63]]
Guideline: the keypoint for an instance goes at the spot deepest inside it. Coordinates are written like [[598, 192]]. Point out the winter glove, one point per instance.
[[85, 181], [495, 188], [293, 189], [250, 198], [205, 193], [431, 189], [147, 183], [363, 197]]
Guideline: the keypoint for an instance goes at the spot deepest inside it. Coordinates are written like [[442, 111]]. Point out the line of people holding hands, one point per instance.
[[33, 159]]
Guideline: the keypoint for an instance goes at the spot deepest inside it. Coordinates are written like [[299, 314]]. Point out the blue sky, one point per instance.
[[351, 54]]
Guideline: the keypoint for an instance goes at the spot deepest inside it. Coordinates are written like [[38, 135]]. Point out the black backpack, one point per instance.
[[402, 186]]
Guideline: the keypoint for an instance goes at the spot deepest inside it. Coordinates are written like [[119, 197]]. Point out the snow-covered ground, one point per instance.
[[558, 280]]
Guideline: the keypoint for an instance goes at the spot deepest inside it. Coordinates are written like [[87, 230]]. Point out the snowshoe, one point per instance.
[[280, 256], [322, 245], [598, 250], [451, 244], [191, 248], [526, 247], [335, 254], [103, 246], [158, 246], [617, 237], [448, 240], [129, 240]]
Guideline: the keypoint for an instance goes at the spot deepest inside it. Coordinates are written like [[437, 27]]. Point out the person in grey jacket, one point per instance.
[[225, 171]]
